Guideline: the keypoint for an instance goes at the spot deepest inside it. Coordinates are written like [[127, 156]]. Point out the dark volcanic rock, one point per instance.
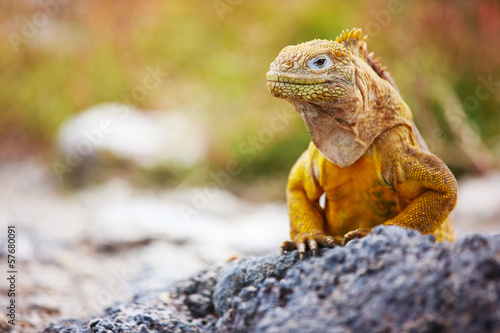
[[394, 280], [185, 307], [249, 272]]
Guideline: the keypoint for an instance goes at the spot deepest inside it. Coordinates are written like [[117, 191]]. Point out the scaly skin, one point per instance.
[[366, 154]]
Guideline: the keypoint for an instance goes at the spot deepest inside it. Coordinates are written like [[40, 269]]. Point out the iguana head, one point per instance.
[[336, 88], [319, 72]]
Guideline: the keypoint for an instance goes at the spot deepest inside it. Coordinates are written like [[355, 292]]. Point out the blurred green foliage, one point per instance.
[[216, 54]]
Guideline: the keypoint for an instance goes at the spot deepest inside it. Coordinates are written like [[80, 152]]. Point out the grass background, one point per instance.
[[216, 54]]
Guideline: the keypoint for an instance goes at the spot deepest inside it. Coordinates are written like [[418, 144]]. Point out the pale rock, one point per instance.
[[148, 139]]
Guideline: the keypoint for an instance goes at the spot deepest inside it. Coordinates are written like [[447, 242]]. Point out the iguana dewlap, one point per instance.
[[366, 154]]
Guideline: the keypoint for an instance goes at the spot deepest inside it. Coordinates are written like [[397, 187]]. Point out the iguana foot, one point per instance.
[[358, 233], [311, 241]]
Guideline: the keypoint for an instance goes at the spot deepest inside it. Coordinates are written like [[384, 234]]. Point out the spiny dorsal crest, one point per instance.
[[347, 35], [353, 42]]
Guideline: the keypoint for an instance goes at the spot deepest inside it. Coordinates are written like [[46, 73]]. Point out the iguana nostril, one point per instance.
[[287, 65]]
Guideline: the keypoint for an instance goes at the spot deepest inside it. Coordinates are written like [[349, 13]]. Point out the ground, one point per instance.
[[81, 251]]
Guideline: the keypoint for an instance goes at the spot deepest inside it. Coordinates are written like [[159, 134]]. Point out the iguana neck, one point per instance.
[[343, 131]]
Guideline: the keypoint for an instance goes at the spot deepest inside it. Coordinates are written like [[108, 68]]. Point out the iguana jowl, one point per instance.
[[366, 154]]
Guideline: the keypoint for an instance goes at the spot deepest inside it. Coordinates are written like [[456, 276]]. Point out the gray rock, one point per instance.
[[184, 307], [249, 271], [117, 133], [246, 272], [394, 280]]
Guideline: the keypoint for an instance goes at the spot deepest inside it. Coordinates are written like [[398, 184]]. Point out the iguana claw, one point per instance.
[[311, 242], [358, 233], [313, 246]]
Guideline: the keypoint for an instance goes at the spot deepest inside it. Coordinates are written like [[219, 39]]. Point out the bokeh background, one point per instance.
[[216, 53], [124, 219]]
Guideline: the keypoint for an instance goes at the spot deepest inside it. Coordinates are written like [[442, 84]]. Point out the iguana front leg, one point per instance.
[[307, 221], [426, 188]]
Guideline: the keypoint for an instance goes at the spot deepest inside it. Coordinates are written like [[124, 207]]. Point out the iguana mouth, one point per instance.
[[295, 80]]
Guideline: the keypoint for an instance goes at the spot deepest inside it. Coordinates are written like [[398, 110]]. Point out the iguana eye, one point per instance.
[[320, 62]]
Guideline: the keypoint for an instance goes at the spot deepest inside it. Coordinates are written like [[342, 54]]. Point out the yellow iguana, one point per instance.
[[366, 154]]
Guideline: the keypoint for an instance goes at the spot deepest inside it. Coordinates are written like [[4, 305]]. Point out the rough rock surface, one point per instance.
[[394, 280], [249, 272], [185, 307]]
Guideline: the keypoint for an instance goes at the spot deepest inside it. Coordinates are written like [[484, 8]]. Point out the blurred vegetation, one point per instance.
[[216, 54]]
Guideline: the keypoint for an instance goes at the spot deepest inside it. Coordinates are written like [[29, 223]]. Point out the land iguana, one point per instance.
[[366, 155]]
